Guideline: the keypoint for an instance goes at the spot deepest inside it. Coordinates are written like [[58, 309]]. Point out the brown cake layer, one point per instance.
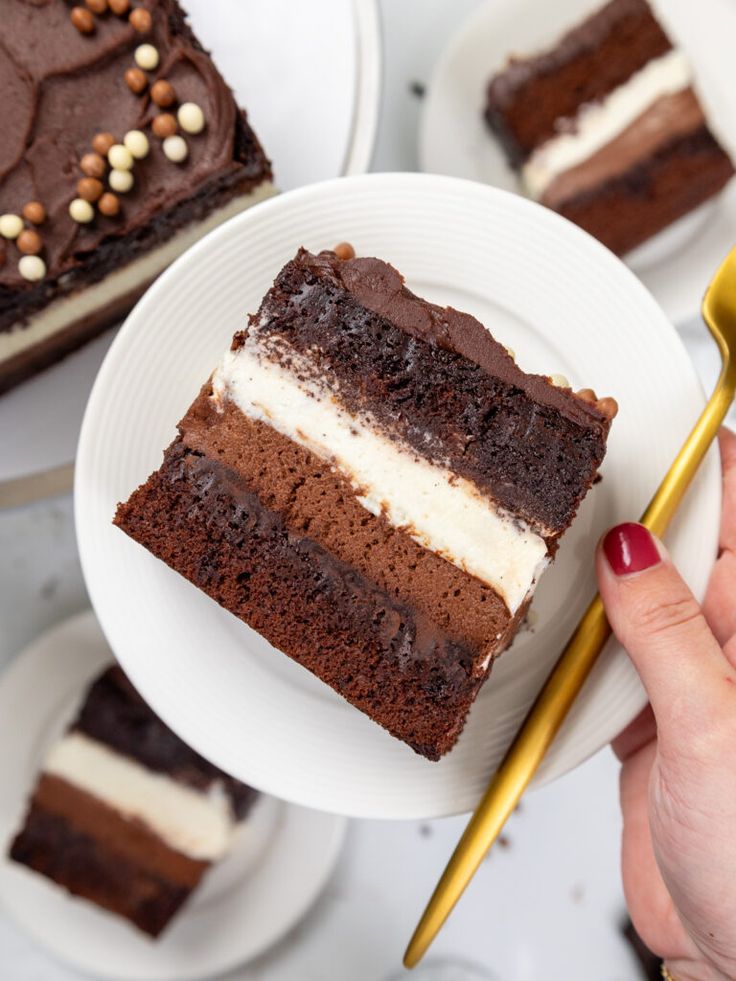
[[89, 849], [624, 209], [527, 99], [114, 713], [315, 500], [440, 382], [63, 88], [382, 655]]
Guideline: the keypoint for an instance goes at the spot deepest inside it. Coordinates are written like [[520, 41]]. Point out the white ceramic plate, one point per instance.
[[280, 864], [675, 265], [309, 76], [545, 288]]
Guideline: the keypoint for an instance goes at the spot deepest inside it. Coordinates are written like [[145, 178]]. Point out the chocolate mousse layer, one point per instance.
[[357, 483], [64, 89]]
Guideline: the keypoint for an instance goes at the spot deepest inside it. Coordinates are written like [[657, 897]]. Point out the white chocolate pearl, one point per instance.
[[11, 226], [146, 57], [120, 157], [511, 353], [137, 142], [120, 180], [175, 148], [559, 381], [191, 117], [32, 267], [81, 211]]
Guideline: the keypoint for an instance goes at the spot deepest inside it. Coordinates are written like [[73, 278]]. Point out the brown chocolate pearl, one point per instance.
[[344, 251], [34, 212], [82, 20], [140, 20], [119, 7], [587, 395], [162, 93], [136, 80], [608, 406], [96, 6], [101, 143], [164, 125], [89, 189], [93, 165], [108, 204], [29, 242]]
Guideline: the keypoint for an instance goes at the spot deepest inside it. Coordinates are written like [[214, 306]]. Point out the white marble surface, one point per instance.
[[548, 902]]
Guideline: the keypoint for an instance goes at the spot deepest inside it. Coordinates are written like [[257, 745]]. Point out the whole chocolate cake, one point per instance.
[[372, 483], [124, 813], [121, 146], [606, 128]]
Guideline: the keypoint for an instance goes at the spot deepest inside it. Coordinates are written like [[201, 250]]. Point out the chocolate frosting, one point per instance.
[[61, 87]]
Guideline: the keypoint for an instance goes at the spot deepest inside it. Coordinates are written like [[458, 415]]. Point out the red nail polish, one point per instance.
[[630, 548]]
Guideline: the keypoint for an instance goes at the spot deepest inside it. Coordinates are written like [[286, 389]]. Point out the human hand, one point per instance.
[[678, 776]]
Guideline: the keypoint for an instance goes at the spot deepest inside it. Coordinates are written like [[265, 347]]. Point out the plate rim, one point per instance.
[[19, 673], [390, 181]]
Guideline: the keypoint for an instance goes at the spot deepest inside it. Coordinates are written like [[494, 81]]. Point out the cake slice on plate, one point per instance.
[[124, 813], [372, 484], [122, 144], [606, 128]]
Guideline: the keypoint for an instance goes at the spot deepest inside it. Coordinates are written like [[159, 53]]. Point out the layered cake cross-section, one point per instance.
[[373, 484], [606, 127], [122, 144], [124, 813]]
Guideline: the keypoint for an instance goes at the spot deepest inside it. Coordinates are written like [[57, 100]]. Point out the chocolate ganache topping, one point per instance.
[[61, 87]]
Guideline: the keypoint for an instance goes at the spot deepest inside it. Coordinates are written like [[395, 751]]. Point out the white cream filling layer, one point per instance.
[[67, 310], [441, 511], [200, 825], [597, 123]]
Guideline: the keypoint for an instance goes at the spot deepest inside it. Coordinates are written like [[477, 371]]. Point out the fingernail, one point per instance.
[[630, 548]]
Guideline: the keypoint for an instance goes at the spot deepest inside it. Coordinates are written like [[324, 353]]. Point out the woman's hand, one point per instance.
[[678, 779]]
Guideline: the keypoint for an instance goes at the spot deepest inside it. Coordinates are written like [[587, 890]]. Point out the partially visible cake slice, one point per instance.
[[372, 483], [606, 127], [124, 813], [122, 145]]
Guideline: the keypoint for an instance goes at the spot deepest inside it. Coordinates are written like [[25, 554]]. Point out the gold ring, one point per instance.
[[665, 973]]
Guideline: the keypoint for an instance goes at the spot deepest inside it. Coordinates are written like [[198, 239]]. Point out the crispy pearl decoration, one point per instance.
[[120, 157], [136, 80], [29, 242], [140, 20], [32, 268], [109, 204], [176, 149], [11, 226], [137, 142], [90, 189], [96, 6], [163, 125], [34, 212], [119, 7], [146, 57], [101, 143], [93, 165], [191, 117], [162, 93], [120, 181], [559, 381], [81, 211], [82, 20]]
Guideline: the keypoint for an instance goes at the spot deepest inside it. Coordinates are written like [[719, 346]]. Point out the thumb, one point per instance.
[[659, 622]]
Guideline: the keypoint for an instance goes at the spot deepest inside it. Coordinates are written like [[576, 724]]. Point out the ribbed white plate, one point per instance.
[[676, 264], [545, 288], [279, 865]]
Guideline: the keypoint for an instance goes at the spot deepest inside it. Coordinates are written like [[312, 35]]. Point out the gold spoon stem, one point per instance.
[[567, 678]]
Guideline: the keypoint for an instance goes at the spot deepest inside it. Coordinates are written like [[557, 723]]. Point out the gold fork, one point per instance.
[[569, 674]]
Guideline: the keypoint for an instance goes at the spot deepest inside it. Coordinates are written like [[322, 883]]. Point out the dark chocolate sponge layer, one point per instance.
[[204, 521], [439, 381], [526, 100]]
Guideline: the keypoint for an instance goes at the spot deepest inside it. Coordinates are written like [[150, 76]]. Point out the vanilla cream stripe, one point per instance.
[[199, 825], [439, 510], [597, 123], [67, 310]]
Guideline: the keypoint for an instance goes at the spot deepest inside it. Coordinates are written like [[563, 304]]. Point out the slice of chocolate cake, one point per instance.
[[606, 127], [372, 484], [124, 813], [121, 146]]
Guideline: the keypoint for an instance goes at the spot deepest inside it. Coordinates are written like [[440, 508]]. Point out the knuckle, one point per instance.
[[664, 612]]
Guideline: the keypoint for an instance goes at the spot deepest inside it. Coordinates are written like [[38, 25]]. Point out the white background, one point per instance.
[[549, 903]]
